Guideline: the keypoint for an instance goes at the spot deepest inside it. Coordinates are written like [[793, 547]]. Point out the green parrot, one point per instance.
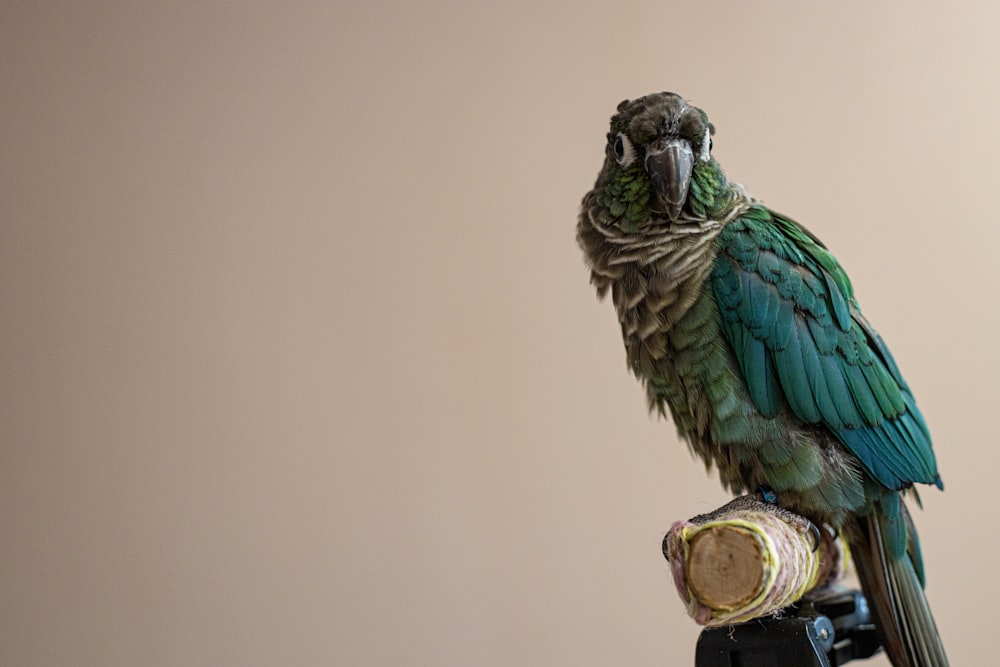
[[743, 326]]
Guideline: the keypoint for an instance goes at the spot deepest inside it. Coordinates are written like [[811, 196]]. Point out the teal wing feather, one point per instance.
[[789, 313]]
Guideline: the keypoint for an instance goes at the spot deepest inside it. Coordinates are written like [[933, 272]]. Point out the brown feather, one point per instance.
[[905, 625]]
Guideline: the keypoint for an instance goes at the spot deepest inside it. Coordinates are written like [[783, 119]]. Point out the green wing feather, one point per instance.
[[789, 313]]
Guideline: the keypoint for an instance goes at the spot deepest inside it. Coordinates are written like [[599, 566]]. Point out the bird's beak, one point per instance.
[[669, 163]]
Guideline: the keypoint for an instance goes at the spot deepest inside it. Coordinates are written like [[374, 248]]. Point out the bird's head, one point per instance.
[[658, 162]]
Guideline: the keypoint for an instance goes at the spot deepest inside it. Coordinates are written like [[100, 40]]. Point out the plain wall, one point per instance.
[[299, 364]]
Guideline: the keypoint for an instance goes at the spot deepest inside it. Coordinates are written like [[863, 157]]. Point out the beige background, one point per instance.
[[299, 361]]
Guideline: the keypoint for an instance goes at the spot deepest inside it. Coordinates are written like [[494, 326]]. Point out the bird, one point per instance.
[[745, 330]]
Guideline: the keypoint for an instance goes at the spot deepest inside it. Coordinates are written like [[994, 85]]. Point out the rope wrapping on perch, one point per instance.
[[749, 559]]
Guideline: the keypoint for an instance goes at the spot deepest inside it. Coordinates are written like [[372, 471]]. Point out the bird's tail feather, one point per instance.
[[887, 558]]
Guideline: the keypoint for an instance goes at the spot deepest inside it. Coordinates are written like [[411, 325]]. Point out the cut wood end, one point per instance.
[[725, 566]]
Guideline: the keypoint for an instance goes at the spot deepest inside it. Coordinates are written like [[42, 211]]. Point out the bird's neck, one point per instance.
[[664, 266]]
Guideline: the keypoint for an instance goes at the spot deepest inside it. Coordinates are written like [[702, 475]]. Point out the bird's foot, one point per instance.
[[768, 496]]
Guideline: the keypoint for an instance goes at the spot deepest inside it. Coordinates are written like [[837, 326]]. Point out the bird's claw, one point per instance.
[[816, 535]]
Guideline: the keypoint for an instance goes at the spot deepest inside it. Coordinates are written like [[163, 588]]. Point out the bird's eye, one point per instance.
[[624, 151], [706, 145]]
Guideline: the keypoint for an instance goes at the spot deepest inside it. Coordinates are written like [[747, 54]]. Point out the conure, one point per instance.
[[746, 330]]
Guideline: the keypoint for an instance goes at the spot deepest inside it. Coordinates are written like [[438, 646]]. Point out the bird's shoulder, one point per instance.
[[761, 250]]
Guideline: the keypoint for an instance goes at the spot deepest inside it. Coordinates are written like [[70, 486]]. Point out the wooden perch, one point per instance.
[[748, 559]]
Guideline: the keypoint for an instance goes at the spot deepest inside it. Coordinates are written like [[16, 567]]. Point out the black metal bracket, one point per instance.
[[829, 628]]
